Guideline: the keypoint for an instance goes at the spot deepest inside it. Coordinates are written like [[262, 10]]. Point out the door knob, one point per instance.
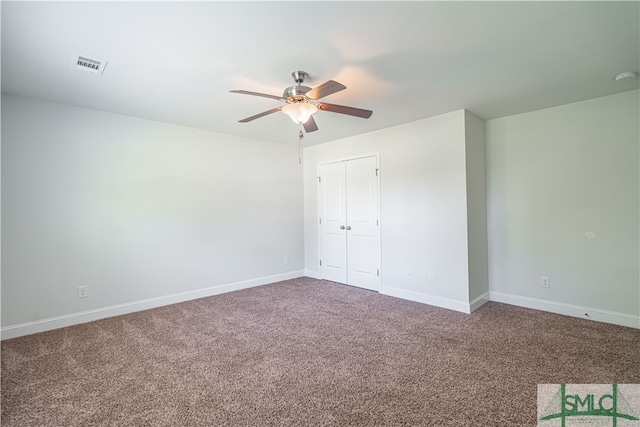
[[342, 227], [348, 227]]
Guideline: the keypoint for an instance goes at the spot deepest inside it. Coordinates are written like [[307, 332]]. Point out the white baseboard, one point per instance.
[[14, 331], [616, 318], [479, 302], [312, 274], [448, 303], [622, 319]]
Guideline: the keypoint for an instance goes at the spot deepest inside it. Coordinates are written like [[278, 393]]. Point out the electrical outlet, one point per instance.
[[544, 281], [83, 291], [409, 275], [285, 261], [432, 278]]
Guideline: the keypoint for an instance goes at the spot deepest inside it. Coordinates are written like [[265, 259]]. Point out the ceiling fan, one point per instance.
[[302, 102]]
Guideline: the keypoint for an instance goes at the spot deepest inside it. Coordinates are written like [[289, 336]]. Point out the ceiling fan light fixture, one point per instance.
[[299, 111]]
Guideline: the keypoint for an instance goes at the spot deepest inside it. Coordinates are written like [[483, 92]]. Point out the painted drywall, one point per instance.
[[552, 177], [423, 206], [476, 207], [139, 210], [136, 210]]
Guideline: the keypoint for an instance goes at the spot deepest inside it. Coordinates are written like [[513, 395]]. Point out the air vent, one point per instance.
[[91, 65]]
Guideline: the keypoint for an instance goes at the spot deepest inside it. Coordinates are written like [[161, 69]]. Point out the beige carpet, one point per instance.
[[307, 352]]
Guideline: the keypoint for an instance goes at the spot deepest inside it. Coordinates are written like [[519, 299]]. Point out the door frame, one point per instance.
[[375, 154]]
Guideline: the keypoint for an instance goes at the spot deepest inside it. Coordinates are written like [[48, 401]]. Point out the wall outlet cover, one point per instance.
[[83, 291]]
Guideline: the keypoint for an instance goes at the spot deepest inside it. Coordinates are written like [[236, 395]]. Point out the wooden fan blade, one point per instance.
[[352, 111], [257, 116], [325, 89], [264, 95], [310, 125]]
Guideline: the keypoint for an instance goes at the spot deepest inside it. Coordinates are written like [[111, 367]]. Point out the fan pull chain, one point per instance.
[[300, 138]]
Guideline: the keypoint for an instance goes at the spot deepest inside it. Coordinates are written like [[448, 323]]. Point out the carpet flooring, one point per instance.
[[307, 352]]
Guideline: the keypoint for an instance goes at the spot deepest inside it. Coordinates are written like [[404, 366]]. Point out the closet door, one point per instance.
[[363, 231], [349, 223], [333, 220]]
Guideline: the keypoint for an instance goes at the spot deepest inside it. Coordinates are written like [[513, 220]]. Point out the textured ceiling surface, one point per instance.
[[176, 62]]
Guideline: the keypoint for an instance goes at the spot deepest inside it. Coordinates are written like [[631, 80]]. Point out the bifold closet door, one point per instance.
[[349, 223]]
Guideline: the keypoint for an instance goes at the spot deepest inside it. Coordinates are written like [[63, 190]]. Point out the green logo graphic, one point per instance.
[[587, 404]]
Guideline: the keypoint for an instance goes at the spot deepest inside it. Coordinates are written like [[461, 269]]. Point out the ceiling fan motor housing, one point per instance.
[[297, 93]]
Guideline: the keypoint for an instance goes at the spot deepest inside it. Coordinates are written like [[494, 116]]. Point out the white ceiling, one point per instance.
[[175, 62]]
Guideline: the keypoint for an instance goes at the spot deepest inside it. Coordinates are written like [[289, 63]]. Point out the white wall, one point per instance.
[[138, 211], [476, 207], [552, 176], [146, 213], [423, 206]]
